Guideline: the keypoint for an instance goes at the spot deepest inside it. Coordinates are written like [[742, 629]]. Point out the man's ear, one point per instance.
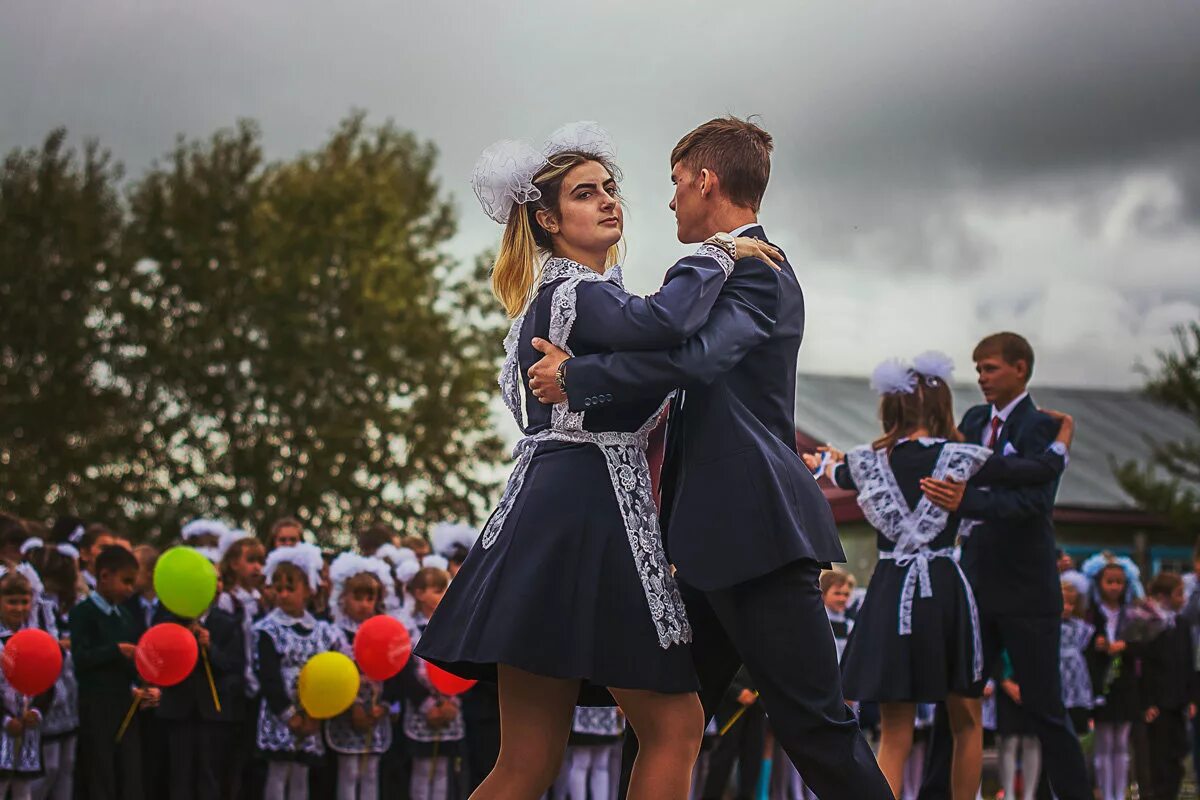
[[1022, 366], [547, 220]]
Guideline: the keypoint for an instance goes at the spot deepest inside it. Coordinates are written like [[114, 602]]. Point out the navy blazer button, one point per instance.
[[608, 397]]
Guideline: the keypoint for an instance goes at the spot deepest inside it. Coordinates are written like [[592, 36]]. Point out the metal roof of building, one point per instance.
[[1109, 424]]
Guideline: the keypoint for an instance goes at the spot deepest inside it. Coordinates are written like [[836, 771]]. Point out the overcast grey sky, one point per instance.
[[942, 169]]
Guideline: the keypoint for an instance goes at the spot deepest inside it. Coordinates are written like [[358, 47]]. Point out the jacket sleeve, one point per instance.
[[609, 318], [843, 479], [88, 646], [1021, 502], [226, 649], [270, 676], [1007, 471], [743, 317]]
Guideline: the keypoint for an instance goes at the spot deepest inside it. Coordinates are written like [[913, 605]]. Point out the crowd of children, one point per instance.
[[1128, 661]]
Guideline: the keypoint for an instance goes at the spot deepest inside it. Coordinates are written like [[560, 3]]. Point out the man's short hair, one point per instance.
[[1012, 347], [114, 558], [737, 150], [833, 578], [1164, 583]]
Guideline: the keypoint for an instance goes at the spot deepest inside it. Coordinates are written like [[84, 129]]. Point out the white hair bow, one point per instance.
[[503, 175]]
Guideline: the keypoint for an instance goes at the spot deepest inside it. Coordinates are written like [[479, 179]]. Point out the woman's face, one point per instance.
[[589, 217]]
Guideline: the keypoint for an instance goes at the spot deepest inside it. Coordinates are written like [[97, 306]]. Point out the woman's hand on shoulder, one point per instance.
[[757, 248], [1066, 430]]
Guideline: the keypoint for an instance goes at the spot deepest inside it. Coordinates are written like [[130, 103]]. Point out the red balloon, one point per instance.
[[32, 661], [166, 654], [382, 647], [447, 683]]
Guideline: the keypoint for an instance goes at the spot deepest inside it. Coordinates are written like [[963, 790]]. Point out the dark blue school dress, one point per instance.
[[568, 578], [917, 635]]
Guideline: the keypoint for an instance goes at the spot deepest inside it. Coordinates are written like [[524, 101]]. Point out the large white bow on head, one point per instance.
[[503, 175]]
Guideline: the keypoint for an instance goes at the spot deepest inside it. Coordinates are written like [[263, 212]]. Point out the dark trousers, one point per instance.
[[1168, 747], [111, 769], [195, 754], [777, 626], [742, 744], [1032, 646]]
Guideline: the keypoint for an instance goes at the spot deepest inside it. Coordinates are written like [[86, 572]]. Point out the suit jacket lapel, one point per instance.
[[1013, 422]]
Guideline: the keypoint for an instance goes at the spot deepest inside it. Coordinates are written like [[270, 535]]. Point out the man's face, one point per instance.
[[688, 205], [1065, 563], [1000, 381], [102, 541]]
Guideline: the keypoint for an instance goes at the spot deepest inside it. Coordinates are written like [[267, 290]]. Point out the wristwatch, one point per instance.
[[560, 376], [725, 242]]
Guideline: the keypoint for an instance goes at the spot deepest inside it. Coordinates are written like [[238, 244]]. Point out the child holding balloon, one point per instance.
[[102, 634], [285, 639], [363, 733], [57, 567], [20, 735], [433, 723]]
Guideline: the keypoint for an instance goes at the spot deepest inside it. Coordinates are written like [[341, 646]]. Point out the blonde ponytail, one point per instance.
[[516, 263]]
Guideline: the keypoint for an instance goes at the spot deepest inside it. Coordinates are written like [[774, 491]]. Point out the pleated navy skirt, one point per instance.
[[937, 658], [557, 594]]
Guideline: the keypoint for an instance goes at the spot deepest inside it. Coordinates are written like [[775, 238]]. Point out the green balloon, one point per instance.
[[185, 582]]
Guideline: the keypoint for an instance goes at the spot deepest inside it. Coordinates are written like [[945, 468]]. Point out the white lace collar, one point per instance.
[[557, 268], [307, 621], [924, 441]]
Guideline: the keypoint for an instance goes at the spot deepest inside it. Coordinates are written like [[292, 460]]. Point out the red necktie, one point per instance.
[[996, 425]]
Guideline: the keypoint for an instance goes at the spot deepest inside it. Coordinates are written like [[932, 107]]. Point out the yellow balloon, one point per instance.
[[328, 685]]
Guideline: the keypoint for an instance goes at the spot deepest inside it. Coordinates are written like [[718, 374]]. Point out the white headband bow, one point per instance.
[[504, 173]]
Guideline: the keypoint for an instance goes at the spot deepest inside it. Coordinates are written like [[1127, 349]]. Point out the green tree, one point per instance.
[[307, 346], [1170, 483], [68, 424]]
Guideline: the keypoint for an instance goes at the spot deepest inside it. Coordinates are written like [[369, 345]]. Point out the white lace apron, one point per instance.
[[625, 453], [912, 530]]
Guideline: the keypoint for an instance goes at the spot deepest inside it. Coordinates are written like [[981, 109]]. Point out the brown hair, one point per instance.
[[232, 554], [514, 275], [59, 574], [737, 150], [930, 406], [429, 578], [1012, 347], [374, 537], [1164, 583], [418, 544], [280, 524], [832, 579], [13, 583], [291, 572]]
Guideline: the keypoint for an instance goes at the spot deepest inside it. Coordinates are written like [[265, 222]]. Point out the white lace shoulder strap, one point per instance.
[[958, 462], [879, 495]]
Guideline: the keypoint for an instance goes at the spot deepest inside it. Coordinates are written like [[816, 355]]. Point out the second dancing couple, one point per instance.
[[569, 596]]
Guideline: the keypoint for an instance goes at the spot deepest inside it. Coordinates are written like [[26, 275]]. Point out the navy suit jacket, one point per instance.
[[737, 501], [1011, 559]]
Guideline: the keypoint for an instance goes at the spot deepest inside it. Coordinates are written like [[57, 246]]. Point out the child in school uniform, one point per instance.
[[241, 564], [433, 722], [57, 568], [1169, 686], [594, 731], [363, 733], [199, 714], [20, 726], [1074, 640], [1114, 667], [285, 639], [1019, 751], [102, 642]]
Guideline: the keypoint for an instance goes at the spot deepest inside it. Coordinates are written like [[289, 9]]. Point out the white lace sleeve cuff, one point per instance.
[[712, 251]]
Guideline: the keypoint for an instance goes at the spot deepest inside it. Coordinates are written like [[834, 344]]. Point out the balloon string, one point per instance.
[[736, 716], [211, 684], [128, 718]]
